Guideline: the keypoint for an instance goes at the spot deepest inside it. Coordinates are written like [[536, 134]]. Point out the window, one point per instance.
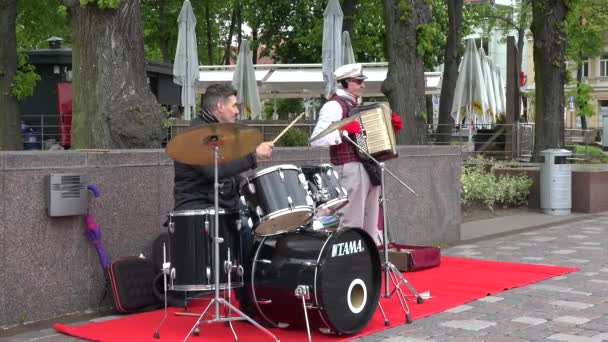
[[482, 43], [604, 65], [586, 68]]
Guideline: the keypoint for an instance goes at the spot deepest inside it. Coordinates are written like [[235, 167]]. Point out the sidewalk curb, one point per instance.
[[581, 217]]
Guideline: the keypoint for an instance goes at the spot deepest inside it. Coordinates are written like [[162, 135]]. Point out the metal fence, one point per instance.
[[497, 141]]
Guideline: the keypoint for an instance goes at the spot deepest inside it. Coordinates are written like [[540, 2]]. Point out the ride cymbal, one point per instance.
[[194, 146]]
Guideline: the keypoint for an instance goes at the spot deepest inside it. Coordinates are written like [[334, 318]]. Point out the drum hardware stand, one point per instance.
[[390, 271], [166, 271], [214, 142], [303, 291]]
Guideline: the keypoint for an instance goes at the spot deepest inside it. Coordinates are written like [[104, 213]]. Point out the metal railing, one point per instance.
[[497, 141], [40, 132]]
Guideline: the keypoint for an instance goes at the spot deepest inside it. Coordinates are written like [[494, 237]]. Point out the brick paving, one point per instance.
[[573, 307]]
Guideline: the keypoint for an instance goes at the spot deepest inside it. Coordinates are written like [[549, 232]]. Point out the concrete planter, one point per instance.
[[589, 186]]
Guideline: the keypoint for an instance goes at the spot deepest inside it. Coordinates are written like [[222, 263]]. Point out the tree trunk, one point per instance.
[[520, 49], [10, 128], [228, 51], [163, 32], [429, 109], [550, 73], [579, 79], [452, 58], [239, 28], [404, 85], [348, 10], [254, 38], [113, 105], [209, 38]]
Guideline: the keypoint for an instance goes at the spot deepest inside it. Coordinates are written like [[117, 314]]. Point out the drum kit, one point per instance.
[[300, 273]]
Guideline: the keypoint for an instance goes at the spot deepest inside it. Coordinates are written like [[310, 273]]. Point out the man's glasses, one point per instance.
[[357, 81]]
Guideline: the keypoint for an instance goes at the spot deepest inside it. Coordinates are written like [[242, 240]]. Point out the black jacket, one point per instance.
[[194, 184]]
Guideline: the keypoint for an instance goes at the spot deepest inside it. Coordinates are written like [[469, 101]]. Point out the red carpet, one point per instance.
[[455, 282]]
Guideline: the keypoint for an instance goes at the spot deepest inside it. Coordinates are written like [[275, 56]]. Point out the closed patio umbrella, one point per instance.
[[348, 56], [248, 96], [185, 65], [331, 52], [470, 100]]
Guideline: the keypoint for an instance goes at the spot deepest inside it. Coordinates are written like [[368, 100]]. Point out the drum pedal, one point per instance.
[[303, 291]]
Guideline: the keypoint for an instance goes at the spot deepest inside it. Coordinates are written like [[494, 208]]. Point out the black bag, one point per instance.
[[131, 280], [374, 171]]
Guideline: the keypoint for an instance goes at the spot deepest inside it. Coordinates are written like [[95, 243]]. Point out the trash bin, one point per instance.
[[32, 140], [556, 182]]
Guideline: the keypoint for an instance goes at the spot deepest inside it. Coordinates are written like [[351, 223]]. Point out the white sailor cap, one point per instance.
[[346, 71]]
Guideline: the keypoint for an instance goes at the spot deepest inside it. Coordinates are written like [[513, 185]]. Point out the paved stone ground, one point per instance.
[[573, 307]]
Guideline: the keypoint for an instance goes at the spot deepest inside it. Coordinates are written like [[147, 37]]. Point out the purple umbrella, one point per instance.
[[93, 232]]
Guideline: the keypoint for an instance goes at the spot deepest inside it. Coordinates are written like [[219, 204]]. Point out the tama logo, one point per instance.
[[346, 248]]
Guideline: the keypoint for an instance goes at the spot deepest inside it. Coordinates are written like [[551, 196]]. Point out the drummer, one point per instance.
[[194, 184], [363, 196]]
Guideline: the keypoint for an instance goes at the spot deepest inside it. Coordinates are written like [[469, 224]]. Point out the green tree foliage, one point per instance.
[[160, 28], [36, 22], [284, 107], [582, 99], [101, 3], [39, 20], [504, 19], [25, 78], [294, 137], [586, 27]]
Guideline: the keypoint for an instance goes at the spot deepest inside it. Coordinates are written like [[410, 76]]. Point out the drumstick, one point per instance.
[[179, 313], [286, 128]]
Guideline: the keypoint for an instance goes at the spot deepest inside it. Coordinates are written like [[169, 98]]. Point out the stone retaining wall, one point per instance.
[[50, 269]]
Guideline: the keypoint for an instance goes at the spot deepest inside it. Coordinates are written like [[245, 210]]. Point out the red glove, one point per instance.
[[352, 127], [396, 121]]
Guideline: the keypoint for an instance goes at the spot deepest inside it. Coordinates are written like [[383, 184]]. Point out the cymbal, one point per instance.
[[334, 126], [194, 146]]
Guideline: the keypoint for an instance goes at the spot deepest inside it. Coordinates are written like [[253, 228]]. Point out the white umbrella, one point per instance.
[[331, 53], [248, 96], [470, 101], [488, 77], [499, 91], [185, 65], [348, 56]]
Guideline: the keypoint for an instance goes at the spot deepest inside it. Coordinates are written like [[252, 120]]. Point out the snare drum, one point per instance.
[[277, 199], [191, 250], [324, 184], [339, 274]]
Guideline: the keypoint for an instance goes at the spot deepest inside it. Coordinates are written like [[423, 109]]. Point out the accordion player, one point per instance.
[[377, 137]]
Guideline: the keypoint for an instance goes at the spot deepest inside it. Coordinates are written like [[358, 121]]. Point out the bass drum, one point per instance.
[[340, 271]]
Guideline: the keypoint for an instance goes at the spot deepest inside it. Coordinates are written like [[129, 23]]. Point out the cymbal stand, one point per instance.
[[166, 271], [391, 273], [213, 142]]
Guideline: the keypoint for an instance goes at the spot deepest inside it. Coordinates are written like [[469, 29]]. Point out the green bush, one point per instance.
[[481, 187], [294, 137], [591, 154]]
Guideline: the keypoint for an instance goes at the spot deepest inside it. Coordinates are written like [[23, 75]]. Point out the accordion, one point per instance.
[[377, 137]]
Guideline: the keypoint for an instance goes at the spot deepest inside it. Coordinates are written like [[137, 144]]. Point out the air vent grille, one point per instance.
[[67, 194]]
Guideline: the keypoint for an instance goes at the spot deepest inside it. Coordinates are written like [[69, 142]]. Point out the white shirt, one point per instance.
[[329, 113]]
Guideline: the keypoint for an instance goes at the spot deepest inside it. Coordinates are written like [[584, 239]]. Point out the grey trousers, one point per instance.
[[363, 199]]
